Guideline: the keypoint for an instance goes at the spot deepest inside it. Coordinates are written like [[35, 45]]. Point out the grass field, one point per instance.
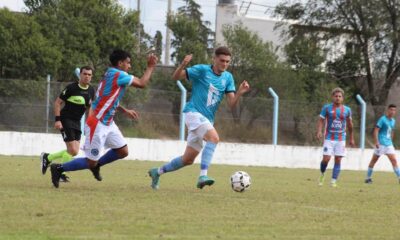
[[281, 204]]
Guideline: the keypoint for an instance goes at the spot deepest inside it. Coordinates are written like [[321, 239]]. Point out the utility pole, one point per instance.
[[138, 27], [167, 36]]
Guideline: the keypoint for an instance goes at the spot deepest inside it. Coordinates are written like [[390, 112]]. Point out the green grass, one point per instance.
[[281, 204]]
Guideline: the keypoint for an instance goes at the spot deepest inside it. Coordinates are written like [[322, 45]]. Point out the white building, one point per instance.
[[228, 14]]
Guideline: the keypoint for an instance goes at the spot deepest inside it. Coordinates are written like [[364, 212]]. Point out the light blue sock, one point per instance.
[[108, 157], [174, 165], [206, 157], [397, 171], [323, 167], [336, 171], [369, 172], [75, 165]]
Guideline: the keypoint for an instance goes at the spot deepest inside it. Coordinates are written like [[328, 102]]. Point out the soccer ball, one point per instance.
[[240, 181]]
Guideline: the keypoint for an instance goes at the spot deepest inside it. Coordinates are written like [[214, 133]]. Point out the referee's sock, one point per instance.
[[56, 155]]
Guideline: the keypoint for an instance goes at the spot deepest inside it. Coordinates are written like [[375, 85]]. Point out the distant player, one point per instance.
[[100, 129], [76, 98], [336, 118], [383, 135], [209, 85]]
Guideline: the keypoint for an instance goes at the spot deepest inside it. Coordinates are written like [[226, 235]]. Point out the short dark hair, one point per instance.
[[392, 106], [118, 55], [222, 51], [86, 68]]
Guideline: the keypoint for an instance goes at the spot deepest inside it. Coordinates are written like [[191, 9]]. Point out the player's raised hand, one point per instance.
[[58, 125], [244, 87], [187, 59], [152, 60]]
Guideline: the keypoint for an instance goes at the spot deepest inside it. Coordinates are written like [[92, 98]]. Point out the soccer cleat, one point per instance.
[[155, 178], [333, 184], [64, 178], [204, 181], [321, 180], [45, 162], [56, 173], [96, 173], [368, 181]]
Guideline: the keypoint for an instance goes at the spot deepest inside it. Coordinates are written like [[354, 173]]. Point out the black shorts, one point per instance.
[[71, 134], [71, 129]]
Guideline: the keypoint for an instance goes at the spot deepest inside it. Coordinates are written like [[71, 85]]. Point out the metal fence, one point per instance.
[[23, 107]]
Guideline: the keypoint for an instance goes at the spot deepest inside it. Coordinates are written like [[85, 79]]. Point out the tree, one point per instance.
[[25, 52], [87, 31], [158, 44], [370, 28], [191, 33], [297, 79]]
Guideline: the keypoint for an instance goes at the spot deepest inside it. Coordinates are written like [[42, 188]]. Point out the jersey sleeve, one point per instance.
[[350, 115], [92, 94], [194, 73], [323, 112], [125, 79], [230, 85], [66, 93], [379, 124]]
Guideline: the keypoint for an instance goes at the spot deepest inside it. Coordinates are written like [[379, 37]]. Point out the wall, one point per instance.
[[32, 144]]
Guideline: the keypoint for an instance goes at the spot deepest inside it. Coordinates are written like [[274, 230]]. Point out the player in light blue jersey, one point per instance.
[[209, 85], [336, 118], [383, 135]]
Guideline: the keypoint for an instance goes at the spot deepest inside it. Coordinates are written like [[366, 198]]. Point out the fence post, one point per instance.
[[362, 124], [48, 102], [275, 117], [182, 116]]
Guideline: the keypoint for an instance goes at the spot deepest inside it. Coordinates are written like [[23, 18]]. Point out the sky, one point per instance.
[[153, 12]]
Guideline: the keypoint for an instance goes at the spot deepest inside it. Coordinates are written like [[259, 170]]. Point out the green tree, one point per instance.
[[158, 44], [370, 30], [297, 79], [87, 31], [191, 33], [25, 52]]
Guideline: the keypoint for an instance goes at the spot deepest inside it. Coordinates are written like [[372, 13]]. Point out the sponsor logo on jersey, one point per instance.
[[213, 95]]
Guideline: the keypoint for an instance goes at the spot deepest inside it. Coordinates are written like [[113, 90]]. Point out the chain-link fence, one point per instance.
[[23, 107]]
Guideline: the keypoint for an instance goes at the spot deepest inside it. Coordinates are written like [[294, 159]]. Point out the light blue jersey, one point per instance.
[[385, 125], [208, 89]]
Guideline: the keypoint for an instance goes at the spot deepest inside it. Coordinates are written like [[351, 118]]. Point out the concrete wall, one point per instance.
[[32, 144]]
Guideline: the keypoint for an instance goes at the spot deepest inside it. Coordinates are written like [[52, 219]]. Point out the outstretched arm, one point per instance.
[[145, 79], [320, 125], [180, 72], [351, 133], [132, 114], [233, 98]]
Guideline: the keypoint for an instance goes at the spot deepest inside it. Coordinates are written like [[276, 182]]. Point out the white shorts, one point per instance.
[[334, 148], [384, 150], [197, 125], [99, 136]]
